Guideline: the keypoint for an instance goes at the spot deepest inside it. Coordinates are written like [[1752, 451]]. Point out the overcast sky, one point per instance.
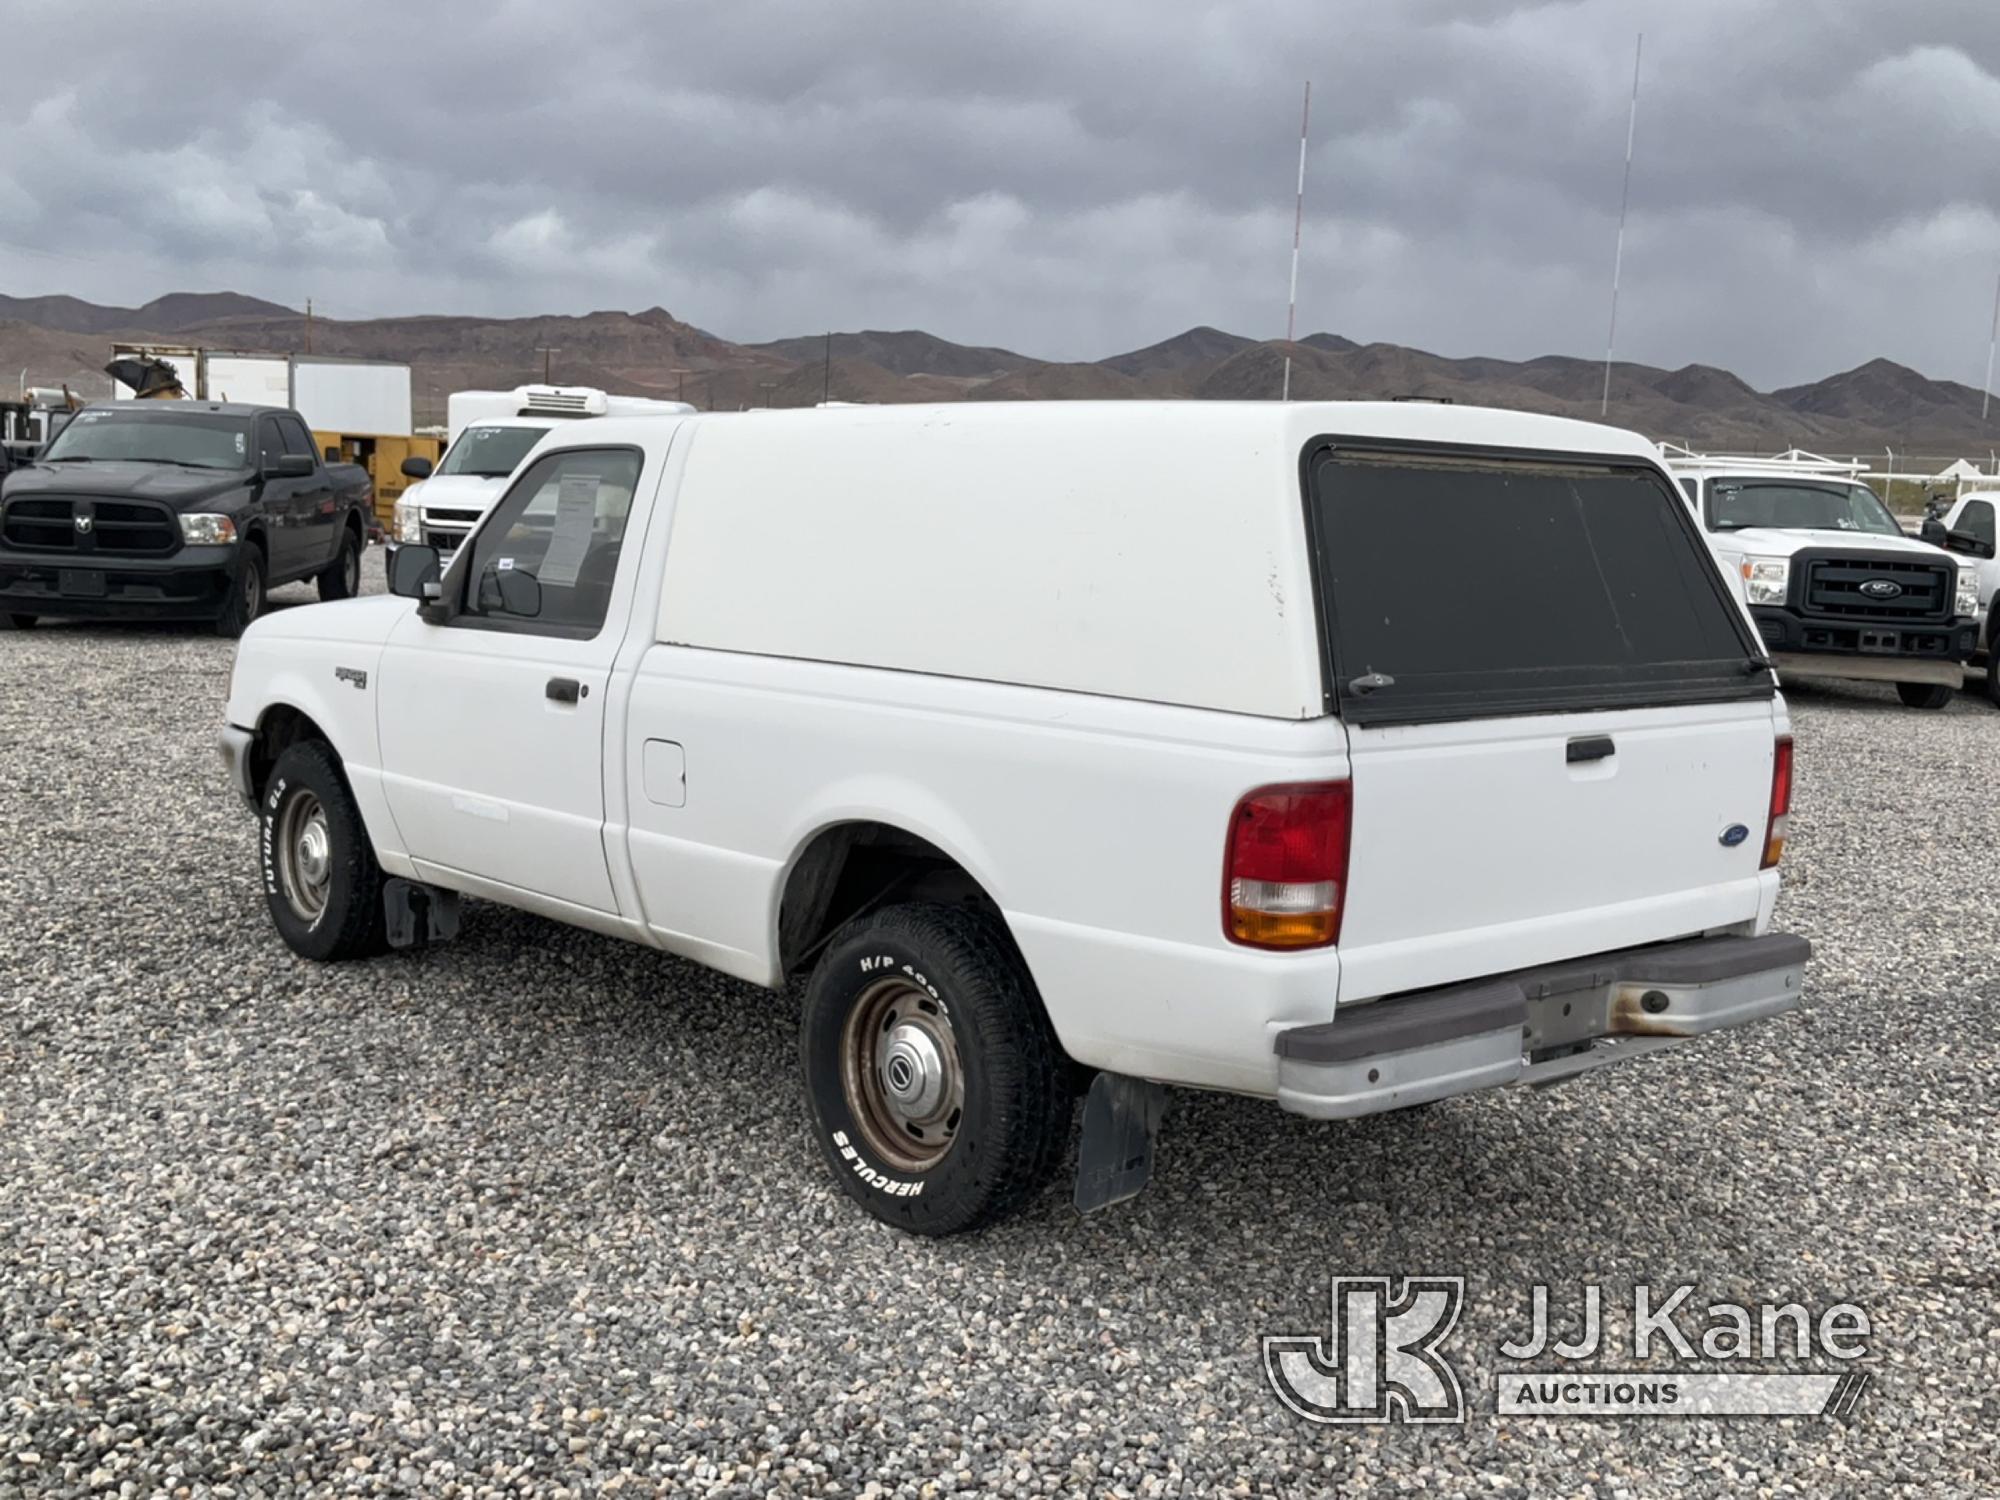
[[1817, 181]]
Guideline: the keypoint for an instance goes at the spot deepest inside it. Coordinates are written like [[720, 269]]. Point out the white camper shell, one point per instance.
[[1350, 756]]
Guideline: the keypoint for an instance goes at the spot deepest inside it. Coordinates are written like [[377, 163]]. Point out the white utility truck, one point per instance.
[[1350, 756], [1966, 526], [490, 432], [1834, 585]]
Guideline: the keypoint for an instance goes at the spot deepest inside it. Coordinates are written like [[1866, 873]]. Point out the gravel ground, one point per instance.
[[536, 1212]]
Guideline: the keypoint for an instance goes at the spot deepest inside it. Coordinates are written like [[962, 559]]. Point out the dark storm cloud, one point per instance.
[[1816, 184]]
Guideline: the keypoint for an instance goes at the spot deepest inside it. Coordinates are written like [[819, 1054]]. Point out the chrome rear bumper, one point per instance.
[[1536, 1026]]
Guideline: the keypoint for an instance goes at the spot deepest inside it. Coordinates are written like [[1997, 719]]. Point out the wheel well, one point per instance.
[[281, 727], [854, 867], [254, 535]]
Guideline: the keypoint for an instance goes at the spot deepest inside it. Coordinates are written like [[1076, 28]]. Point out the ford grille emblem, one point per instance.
[[1882, 588], [83, 525], [1733, 835]]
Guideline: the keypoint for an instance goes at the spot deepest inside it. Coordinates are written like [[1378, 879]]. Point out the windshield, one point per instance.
[[1789, 505], [490, 452], [161, 435]]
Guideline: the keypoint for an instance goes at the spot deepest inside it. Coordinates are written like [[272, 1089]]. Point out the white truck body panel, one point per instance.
[[360, 397], [1058, 642]]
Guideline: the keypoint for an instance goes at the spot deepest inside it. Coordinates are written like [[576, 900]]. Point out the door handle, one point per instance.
[[565, 690], [1591, 747]]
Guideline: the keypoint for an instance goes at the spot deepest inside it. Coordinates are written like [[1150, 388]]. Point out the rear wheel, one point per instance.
[[938, 1092], [1924, 694], [246, 595], [321, 880], [342, 577]]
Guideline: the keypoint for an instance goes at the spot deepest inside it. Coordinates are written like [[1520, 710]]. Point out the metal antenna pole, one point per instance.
[[1298, 226], [1993, 339], [1624, 205]]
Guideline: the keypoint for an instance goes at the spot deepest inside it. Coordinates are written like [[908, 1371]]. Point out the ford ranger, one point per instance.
[[187, 510], [1347, 756]]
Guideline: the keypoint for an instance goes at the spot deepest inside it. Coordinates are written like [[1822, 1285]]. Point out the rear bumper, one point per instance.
[[1539, 1025], [190, 584]]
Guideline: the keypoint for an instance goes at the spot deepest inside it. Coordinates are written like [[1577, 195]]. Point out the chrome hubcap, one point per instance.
[[901, 1072], [305, 856]]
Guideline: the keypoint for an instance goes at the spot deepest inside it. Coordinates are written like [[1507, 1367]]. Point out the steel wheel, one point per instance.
[[350, 569], [305, 856], [901, 1073], [252, 584]]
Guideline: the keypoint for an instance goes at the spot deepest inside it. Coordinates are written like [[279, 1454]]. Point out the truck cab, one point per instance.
[[490, 432], [1966, 526], [1834, 585]]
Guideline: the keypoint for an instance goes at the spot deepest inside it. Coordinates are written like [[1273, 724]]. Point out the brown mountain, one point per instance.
[[1880, 404]]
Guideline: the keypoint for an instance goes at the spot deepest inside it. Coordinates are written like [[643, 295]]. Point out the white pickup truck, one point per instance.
[[490, 432], [1350, 756], [1835, 587], [1966, 526]]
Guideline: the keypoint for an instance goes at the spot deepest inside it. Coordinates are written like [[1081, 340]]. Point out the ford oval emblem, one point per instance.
[[1882, 588], [1733, 835]]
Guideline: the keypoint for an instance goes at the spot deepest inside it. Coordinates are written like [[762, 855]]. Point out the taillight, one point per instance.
[[1781, 802], [1284, 875]]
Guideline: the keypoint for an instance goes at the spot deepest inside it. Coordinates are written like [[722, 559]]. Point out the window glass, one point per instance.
[[1796, 505], [1976, 520], [560, 531], [490, 452], [1480, 587], [132, 431], [270, 442], [296, 439]]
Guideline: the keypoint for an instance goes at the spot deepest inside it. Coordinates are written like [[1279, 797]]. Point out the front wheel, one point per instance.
[[246, 594], [938, 1091], [1924, 694], [320, 877], [341, 578]]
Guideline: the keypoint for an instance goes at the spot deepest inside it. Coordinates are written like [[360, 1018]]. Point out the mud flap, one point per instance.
[[1121, 1120], [418, 914]]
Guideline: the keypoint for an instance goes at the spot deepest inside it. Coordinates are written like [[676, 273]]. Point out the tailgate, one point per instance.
[[1483, 846]]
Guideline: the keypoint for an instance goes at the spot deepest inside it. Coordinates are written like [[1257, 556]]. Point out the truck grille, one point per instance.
[[108, 528], [1834, 586]]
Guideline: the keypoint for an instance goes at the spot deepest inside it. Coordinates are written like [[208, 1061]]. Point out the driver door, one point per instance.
[[492, 724]]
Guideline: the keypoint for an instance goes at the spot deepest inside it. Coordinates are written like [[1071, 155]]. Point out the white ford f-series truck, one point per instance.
[[1351, 756]]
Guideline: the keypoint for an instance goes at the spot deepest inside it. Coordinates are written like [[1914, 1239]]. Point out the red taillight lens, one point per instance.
[[1781, 802], [1284, 875]]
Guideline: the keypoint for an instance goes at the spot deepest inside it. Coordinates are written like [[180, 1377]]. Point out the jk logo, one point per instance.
[[1381, 1361]]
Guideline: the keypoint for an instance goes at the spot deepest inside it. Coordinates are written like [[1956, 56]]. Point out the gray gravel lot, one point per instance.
[[536, 1212]]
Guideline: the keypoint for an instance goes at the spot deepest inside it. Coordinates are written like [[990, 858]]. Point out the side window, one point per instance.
[[546, 558], [270, 444], [1976, 520], [1693, 488], [295, 437]]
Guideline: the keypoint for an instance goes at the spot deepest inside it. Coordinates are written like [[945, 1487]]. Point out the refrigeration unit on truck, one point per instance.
[[491, 432], [1835, 586], [358, 409]]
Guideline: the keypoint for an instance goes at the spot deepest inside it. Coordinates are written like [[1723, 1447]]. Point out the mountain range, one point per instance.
[[53, 340]]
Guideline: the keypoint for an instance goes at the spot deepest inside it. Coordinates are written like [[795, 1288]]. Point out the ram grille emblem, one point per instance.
[[1882, 588], [83, 524]]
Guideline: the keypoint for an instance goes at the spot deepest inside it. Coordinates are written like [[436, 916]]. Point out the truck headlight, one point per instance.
[[205, 526], [408, 521], [1967, 604], [1766, 580]]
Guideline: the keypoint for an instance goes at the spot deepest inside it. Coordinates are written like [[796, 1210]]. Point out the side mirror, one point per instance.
[[411, 568], [290, 466], [1932, 531], [512, 591], [1966, 544], [416, 468]]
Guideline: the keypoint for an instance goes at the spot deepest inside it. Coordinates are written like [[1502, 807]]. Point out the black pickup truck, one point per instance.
[[178, 510]]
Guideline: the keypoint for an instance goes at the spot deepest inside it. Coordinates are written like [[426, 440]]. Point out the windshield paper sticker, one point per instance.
[[576, 520]]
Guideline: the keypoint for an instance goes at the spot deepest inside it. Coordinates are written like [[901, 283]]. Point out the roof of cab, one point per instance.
[[184, 408], [1295, 422]]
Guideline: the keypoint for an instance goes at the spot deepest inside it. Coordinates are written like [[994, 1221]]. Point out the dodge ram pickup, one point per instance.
[[187, 510], [1347, 756]]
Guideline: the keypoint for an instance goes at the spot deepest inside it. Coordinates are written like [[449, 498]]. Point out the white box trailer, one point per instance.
[[558, 402], [358, 397]]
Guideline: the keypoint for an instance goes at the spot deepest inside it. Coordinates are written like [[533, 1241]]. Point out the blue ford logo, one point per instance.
[[1882, 588], [1733, 835]]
